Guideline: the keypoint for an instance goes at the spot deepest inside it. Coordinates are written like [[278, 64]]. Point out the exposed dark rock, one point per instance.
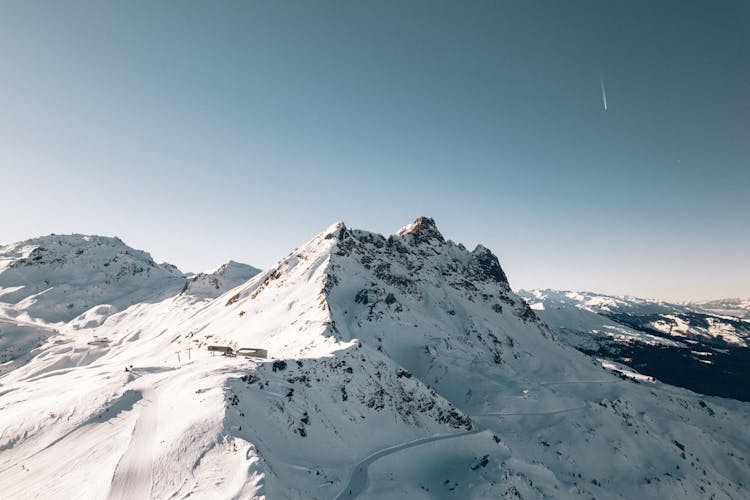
[[487, 265], [423, 230], [361, 297]]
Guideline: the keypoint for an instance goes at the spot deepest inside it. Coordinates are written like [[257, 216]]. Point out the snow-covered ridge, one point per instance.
[[213, 284], [595, 302], [399, 367], [58, 277], [83, 278]]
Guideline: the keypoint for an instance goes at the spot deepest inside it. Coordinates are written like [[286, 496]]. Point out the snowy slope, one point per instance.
[[400, 367], [58, 277], [19, 339]]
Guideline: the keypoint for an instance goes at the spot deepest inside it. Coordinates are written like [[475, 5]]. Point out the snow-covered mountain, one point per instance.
[[676, 321], [689, 345], [79, 281], [739, 308], [226, 277], [399, 367], [58, 277]]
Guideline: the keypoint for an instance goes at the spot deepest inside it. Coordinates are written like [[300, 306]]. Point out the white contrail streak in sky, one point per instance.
[[604, 92]]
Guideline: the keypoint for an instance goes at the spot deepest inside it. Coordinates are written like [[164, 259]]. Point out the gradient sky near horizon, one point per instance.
[[208, 131]]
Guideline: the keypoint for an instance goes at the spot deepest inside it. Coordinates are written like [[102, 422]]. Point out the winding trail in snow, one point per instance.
[[359, 479], [132, 477], [570, 382], [533, 413]]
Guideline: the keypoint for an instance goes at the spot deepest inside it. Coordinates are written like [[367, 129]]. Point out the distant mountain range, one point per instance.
[[739, 308], [699, 346], [399, 366]]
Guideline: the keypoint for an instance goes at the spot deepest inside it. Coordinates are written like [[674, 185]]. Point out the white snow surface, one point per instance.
[[400, 367]]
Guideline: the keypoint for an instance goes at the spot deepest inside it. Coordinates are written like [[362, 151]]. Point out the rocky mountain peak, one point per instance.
[[233, 267], [489, 265], [226, 277], [336, 230], [423, 229]]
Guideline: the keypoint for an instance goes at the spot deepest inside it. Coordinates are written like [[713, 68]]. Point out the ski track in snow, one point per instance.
[[132, 477], [569, 382], [358, 480], [533, 413], [359, 477]]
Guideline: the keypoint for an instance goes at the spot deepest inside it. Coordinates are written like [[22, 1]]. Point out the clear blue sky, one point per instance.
[[204, 131]]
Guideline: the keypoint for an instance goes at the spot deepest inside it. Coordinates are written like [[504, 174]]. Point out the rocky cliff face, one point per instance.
[[443, 312]]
